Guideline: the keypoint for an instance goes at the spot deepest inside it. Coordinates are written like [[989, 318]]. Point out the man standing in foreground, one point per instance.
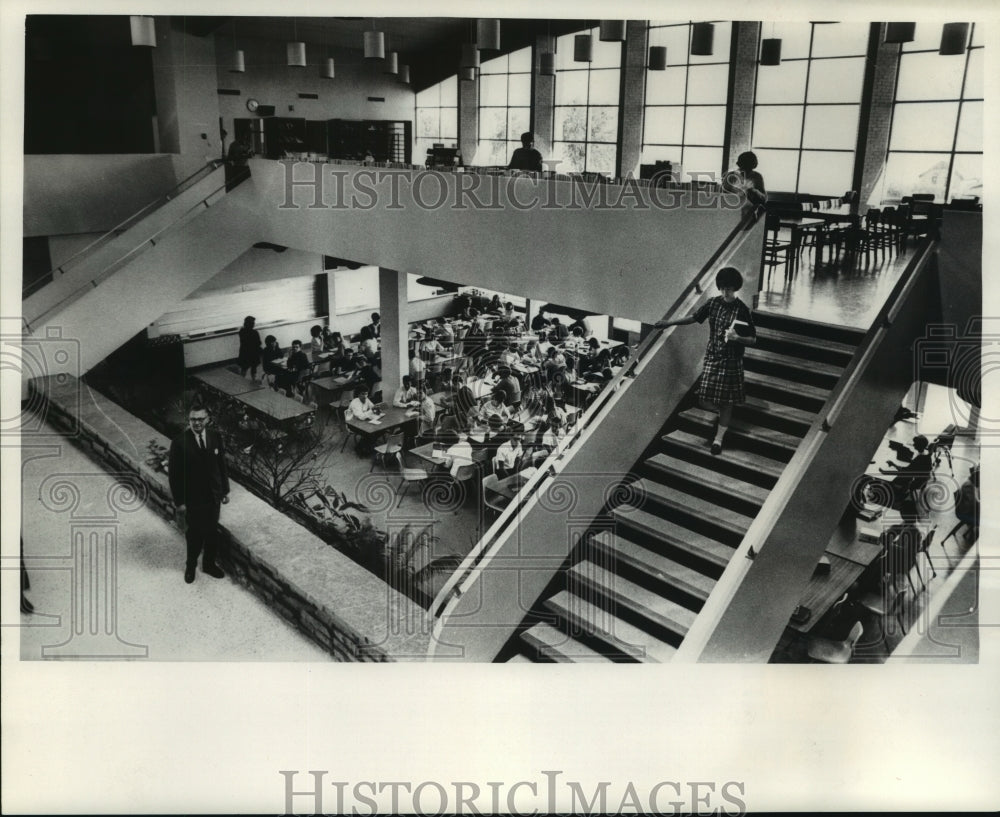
[[199, 484]]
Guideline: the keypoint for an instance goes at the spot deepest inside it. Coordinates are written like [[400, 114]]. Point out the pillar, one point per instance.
[[875, 123], [633, 98], [468, 120], [742, 87], [543, 99], [393, 307]]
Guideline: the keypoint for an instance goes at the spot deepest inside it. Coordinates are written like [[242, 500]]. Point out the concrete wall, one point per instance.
[[622, 261], [68, 194]]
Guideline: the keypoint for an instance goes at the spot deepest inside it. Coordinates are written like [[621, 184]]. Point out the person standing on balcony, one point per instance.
[[730, 330], [745, 179], [248, 356], [526, 157]]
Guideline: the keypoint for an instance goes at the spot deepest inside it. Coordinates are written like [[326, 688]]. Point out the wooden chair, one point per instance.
[[826, 651], [393, 445], [492, 498], [776, 250], [409, 476], [467, 475], [876, 604], [925, 545]]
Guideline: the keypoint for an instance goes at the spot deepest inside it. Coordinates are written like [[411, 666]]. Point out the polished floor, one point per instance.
[[220, 621]]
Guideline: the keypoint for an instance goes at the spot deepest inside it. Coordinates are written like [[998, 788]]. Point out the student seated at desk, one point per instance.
[[512, 319], [270, 355], [417, 369], [510, 387], [495, 407], [593, 369], [581, 324], [593, 347], [495, 305], [463, 402], [575, 342], [406, 395], [558, 333], [376, 325], [427, 416], [540, 322], [368, 374], [296, 367], [510, 454], [460, 454], [361, 408], [913, 475], [509, 356], [431, 348]]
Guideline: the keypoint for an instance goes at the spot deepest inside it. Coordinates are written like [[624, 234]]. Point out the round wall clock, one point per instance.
[[252, 104]]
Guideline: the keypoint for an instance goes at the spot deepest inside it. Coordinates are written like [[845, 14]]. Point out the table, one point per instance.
[[856, 550], [823, 590], [227, 382], [392, 419], [275, 406], [328, 389], [425, 452], [508, 487]]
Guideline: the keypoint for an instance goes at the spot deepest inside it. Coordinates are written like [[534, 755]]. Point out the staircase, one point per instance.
[[635, 585]]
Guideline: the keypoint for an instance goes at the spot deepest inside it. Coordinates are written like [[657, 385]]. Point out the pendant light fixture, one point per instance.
[[900, 32], [404, 74], [467, 74], [295, 51], [770, 51], [374, 44], [583, 48], [470, 55], [391, 63], [612, 31], [657, 58], [488, 35], [238, 65], [954, 39], [702, 39], [328, 70], [143, 30]]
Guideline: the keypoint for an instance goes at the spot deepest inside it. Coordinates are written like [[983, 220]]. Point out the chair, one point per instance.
[[875, 603], [409, 476], [826, 651], [466, 475], [925, 545], [492, 498], [918, 215], [941, 448], [776, 251], [393, 445]]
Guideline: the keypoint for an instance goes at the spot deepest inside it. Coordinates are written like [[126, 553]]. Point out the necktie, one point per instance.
[[201, 440]]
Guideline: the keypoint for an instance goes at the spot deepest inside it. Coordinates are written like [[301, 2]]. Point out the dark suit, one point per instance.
[[199, 480]]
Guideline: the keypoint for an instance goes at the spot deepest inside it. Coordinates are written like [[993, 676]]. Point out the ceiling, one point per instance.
[[431, 46]]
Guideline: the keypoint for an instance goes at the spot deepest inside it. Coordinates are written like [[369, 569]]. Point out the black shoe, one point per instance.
[[716, 449], [189, 575], [214, 571]]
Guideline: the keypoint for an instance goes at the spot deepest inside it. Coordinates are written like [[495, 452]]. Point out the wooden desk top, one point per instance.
[[392, 419], [331, 382], [862, 553], [227, 382], [275, 405], [426, 453], [823, 591]]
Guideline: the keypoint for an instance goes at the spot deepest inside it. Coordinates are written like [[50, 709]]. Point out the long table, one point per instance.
[[227, 382], [282, 410], [392, 419], [823, 590], [328, 389]]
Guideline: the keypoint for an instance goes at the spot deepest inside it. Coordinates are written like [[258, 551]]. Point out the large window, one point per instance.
[[805, 124], [504, 106], [936, 144], [685, 111], [437, 117], [586, 107]]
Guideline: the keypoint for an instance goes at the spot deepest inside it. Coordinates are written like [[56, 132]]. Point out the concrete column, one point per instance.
[[742, 86], [543, 99], [468, 120], [633, 97], [876, 115], [393, 306]]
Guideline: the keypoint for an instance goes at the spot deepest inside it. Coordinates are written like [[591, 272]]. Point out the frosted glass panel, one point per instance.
[[603, 124], [519, 89], [967, 177], [779, 169], [660, 153], [497, 65], [926, 37], [831, 126], [794, 38], [703, 161], [927, 76], [518, 121], [571, 88], [840, 40], [664, 125], [970, 127], [705, 126], [909, 173], [606, 55], [520, 60], [601, 159], [923, 126], [570, 156], [974, 77], [570, 124], [605, 87], [781, 83], [493, 89], [826, 174], [666, 87], [837, 80], [707, 84], [449, 123], [492, 123], [777, 126], [675, 39]]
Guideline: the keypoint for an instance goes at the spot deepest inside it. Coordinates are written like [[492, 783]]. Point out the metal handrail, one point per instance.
[[118, 262], [553, 463], [121, 227]]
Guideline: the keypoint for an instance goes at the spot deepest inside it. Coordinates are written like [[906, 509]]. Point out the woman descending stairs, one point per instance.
[[636, 583]]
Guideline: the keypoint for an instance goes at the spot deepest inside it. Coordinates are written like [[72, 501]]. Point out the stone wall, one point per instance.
[[344, 608]]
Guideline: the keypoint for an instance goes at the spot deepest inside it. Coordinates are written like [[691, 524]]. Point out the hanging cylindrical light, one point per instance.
[[546, 65], [612, 31], [328, 69], [391, 63], [657, 58], [296, 53], [900, 32], [954, 39], [702, 39], [374, 45], [404, 74], [467, 73], [238, 65], [470, 55], [143, 30], [770, 51], [583, 48], [488, 35]]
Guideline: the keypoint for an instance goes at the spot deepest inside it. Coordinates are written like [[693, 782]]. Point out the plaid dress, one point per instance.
[[722, 377]]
